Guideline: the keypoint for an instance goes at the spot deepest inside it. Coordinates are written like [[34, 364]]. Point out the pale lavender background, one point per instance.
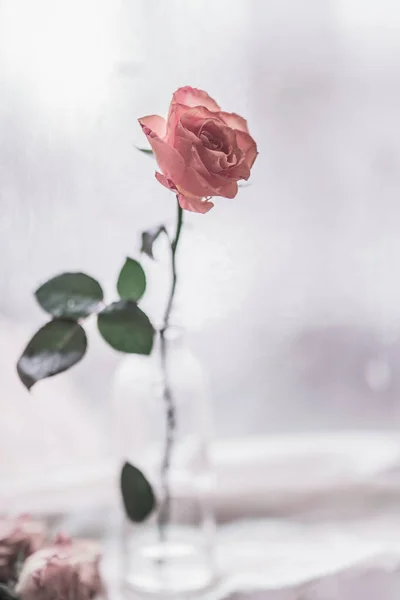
[[291, 291]]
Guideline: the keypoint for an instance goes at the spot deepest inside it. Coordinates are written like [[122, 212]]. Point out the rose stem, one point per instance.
[[165, 508]]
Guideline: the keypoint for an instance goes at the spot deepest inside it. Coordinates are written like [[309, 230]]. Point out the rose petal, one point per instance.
[[189, 177], [193, 204], [226, 162], [190, 180], [194, 97], [198, 178], [249, 147], [65, 570], [187, 202], [165, 181], [175, 113], [189, 152], [200, 119], [240, 171], [168, 159], [185, 140], [219, 133], [210, 185], [213, 160], [155, 123], [221, 183], [235, 121], [194, 184], [193, 117], [184, 145], [18, 535]]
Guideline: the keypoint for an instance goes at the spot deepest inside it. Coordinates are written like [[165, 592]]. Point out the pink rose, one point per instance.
[[68, 570], [19, 537], [201, 151]]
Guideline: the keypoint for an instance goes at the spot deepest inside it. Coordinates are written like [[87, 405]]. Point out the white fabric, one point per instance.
[[278, 560], [254, 476], [369, 581], [304, 473], [272, 472]]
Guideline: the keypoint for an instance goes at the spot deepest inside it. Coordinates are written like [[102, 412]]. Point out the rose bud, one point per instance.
[[19, 537], [67, 570]]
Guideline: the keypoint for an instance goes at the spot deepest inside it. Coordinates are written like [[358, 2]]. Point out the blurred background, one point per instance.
[[290, 292]]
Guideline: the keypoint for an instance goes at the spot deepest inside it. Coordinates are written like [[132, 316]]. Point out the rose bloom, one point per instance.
[[67, 570], [19, 537], [201, 151]]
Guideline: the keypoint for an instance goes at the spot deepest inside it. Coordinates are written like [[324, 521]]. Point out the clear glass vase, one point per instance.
[[167, 437]]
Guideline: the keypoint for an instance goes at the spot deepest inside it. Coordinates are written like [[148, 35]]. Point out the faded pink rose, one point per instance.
[[67, 570], [19, 537], [201, 151]]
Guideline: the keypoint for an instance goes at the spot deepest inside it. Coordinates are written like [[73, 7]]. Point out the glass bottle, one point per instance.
[[167, 437]]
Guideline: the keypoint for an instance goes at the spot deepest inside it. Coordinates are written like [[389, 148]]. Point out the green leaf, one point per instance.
[[56, 347], [71, 295], [126, 328], [137, 494], [131, 281], [149, 237], [144, 150]]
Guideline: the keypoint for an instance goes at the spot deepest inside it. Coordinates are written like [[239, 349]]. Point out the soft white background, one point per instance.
[[290, 292]]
